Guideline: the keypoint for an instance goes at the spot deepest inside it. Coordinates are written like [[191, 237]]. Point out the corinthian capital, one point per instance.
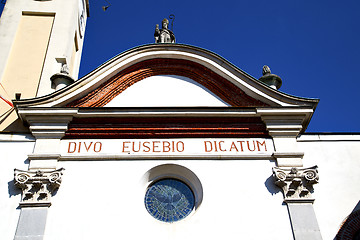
[[37, 186], [296, 183]]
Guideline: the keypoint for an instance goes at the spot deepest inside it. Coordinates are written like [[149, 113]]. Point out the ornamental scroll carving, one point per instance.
[[296, 183], [37, 186]]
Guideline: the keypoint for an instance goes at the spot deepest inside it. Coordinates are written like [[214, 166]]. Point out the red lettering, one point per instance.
[[262, 144], [233, 146], [146, 146], [241, 142], [173, 146], [220, 146], [206, 146], [74, 149], [182, 146], [166, 146], [249, 146], [99, 146], [86, 147], [79, 147], [133, 147], [124, 147], [215, 146], [155, 146]]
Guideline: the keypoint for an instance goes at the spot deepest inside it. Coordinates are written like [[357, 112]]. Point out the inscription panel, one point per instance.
[[176, 147]]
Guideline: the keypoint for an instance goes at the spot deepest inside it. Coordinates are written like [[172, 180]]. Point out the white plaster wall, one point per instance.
[[164, 91], [105, 200], [338, 192], [12, 155]]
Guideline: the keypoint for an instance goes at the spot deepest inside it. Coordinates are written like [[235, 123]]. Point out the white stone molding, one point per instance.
[[288, 154], [285, 122], [281, 126], [284, 125], [43, 161], [37, 186], [296, 183], [48, 127], [287, 159]]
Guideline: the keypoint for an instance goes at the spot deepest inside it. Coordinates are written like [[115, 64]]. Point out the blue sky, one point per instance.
[[314, 46]]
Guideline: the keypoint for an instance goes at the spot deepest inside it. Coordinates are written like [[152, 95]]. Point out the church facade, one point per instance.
[[169, 141]]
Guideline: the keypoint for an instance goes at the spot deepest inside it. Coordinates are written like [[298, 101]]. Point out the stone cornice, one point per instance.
[[285, 122], [52, 122], [269, 113], [48, 126]]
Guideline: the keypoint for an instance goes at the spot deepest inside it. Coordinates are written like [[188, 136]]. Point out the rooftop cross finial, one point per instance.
[[172, 18]]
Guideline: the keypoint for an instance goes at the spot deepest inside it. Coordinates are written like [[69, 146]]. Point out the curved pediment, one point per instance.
[[209, 77], [167, 90], [205, 77]]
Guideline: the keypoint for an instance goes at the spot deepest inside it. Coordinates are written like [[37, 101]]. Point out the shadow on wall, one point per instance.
[[270, 185], [12, 189]]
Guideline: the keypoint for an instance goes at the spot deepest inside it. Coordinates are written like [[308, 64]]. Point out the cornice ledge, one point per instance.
[[276, 111], [46, 114], [300, 200], [115, 157], [44, 156], [34, 204], [48, 125], [282, 122], [288, 154]]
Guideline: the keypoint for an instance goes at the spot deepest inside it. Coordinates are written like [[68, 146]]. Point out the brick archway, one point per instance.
[[350, 227], [217, 84]]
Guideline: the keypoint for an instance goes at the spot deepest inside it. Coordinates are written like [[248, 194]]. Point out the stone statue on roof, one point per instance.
[[164, 35]]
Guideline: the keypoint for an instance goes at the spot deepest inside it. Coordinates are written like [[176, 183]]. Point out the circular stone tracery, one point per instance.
[[169, 200]]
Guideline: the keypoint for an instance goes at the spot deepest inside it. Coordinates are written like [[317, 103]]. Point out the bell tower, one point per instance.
[[38, 38]]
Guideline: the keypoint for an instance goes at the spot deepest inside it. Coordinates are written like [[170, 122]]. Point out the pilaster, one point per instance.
[[297, 185], [37, 188]]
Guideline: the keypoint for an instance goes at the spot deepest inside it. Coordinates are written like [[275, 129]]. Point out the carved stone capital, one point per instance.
[[296, 183], [37, 186]]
